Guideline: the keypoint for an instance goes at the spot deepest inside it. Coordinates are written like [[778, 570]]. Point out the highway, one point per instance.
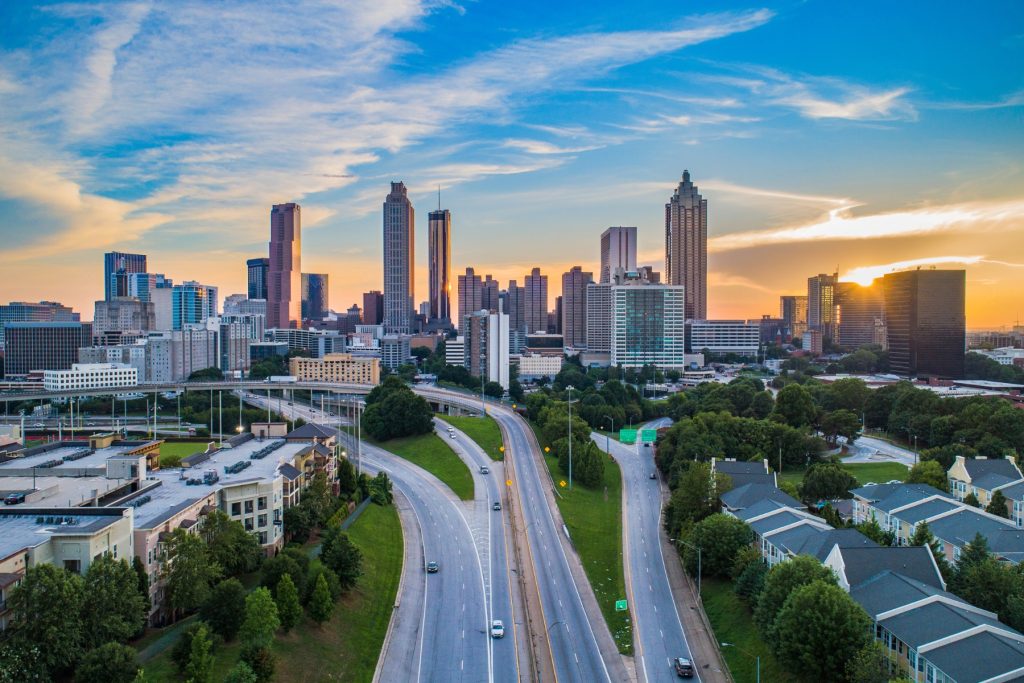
[[658, 630]]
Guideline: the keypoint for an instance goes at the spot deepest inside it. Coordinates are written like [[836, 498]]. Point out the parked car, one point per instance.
[[497, 629], [683, 667], [433, 567], [14, 498], [497, 505]]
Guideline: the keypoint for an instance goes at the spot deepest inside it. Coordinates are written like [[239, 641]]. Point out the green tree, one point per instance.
[[750, 583], [991, 585], [206, 375], [974, 553], [972, 500], [231, 547], [241, 673], [346, 478], [587, 462], [795, 406], [142, 583], [719, 538], [819, 631], [782, 580], [998, 505], [923, 537], [321, 606], [494, 390], [695, 496], [47, 618], [298, 523], [826, 481], [393, 410], [332, 583], [108, 663], [181, 651], [287, 599], [112, 609], [225, 608], [869, 665], [873, 530], [840, 423], [260, 660], [380, 489], [261, 620], [280, 565], [928, 472], [200, 662], [188, 571], [342, 557]]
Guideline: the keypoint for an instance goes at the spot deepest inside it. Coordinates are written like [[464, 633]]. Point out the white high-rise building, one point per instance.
[[618, 250], [648, 326]]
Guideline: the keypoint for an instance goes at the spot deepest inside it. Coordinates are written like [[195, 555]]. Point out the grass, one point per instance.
[[733, 623], [347, 647], [594, 519], [431, 453], [484, 431], [878, 472], [171, 453]]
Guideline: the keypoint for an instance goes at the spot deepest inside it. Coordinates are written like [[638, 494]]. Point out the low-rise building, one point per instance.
[[982, 476], [91, 376], [535, 365], [341, 368], [744, 472], [724, 336]]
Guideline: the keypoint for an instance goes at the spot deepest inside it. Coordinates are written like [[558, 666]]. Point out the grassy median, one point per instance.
[[431, 453], [484, 431], [594, 519]]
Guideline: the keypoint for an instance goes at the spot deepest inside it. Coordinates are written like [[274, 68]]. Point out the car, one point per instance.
[[451, 435], [683, 667], [39, 425], [497, 506], [654, 475], [647, 445], [484, 469], [14, 498], [433, 567], [497, 629]]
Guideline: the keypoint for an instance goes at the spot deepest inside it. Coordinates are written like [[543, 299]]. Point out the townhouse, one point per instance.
[[742, 472], [982, 476]]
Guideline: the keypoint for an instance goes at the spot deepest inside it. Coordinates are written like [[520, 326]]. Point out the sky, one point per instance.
[[858, 137]]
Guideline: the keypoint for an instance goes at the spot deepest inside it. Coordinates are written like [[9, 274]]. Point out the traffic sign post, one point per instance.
[[620, 606], [648, 435], [627, 435]]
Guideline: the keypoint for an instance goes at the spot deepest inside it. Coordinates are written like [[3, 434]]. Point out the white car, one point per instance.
[[497, 629]]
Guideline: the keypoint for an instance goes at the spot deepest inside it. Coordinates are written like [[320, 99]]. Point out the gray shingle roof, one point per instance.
[[904, 494], [915, 514], [289, 472], [777, 521], [760, 508], [1014, 491], [742, 473], [311, 430], [917, 563], [874, 492], [987, 473], [960, 527], [744, 496], [888, 590], [979, 657], [927, 623]]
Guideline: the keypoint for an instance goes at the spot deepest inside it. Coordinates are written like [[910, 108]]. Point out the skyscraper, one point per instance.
[[192, 303], [648, 325], [821, 304], [315, 302], [470, 293], [259, 270], [439, 239], [284, 276], [44, 311], [686, 246], [399, 261], [926, 322], [116, 267], [373, 308], [793, 311], [515, 307], [490, 293], [574, 306], [618, 250], [859, 312], [535, 302], [32, 346]]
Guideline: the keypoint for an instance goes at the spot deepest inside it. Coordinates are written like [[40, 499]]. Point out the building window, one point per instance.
[[261, 503], [74, 566], [263, 538], [236, 509], [248, 507], [248, 523], [261, 521]]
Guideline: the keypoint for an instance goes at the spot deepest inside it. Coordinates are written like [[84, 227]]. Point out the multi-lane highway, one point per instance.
[[659, 631]]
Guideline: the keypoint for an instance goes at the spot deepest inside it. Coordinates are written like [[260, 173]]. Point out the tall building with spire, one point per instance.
[[399, 261], [686, 246], [284, 275], [439, 244]]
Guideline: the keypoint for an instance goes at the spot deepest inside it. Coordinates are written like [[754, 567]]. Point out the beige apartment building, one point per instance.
[[341, 368]]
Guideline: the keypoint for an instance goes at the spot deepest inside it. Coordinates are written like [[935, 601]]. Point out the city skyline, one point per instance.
[[817, 165]]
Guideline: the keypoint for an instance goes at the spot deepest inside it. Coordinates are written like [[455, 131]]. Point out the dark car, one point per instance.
[[683, 667], [496, 506], [432, 567], [14, 498], [653, 475]]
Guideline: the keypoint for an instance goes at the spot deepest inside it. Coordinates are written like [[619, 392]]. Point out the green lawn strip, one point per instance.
[[484, 431], [431, 453], [877, 472], [348, 646], [594, 519], [171, 453], [733, 623]]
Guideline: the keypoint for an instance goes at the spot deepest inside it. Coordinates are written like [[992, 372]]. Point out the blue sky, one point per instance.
[[824, 135]]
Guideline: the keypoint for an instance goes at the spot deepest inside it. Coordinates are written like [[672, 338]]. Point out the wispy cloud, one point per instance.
[[866, 274], [542, 147]]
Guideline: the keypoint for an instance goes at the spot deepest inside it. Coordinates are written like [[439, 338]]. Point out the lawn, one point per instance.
[[878, 472], [733, 623], [484, 431], [594, 519], [347, 647], [430, 452], [171, 453]]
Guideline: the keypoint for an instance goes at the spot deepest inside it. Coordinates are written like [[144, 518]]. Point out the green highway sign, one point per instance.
[[649, 435], [620, 605], [627, 435]]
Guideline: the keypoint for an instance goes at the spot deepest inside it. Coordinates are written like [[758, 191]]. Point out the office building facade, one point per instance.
[[724, 337], [439, 246], [618, 250], [470, 294], [574, 306], [143, 285], [284, 273], [399, 260], [648, 326], [192, 303], [122, 314], [42, 312], [486, 346], [686, 246], [32, 346], [258, 275], [117, 266], [860, 311], [793, 310], [926, 322], [535, 302], [315, 298], [91, 376], [342, 368], [821, 304], [373, 308], [599, 318]]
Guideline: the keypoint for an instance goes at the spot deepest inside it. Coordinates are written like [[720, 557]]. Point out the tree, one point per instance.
[[321, 606], [181, 652], [342, 557], [112, 609], [233, 548], [695, 496], [346, 478], [287, 599], [873, 530], [224, 611], [998, 505], [241, 673], [974, 553], [380, 489], [142, 583], [844, 423], [869, 665], [991, 585], [750, 583], [332, 583], [795, 406], [298, 523], [260, 660], [47, 623], [200, 662], [494, 390], [283, 564], [826, 481], [782, 580], [393, 410], [923, 537], [206, 374], [261, 620], [972, 500], [108, 663], [928, 472], [819, 631], [587, 461], [188, 571], [719, 538]]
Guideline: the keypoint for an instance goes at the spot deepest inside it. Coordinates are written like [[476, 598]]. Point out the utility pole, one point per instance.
[[569, 389], [220, 415]]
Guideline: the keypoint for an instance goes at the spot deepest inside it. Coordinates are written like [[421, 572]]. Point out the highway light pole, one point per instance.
[[697, 548], [607, 437], [570, 388], [757, 658]]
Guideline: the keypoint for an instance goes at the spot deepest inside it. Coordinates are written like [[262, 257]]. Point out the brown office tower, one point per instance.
[[926, 322], [373, 308], [399, 261], [535, 302], [439, 244], [686, 246], [574, 307], [284, 283]]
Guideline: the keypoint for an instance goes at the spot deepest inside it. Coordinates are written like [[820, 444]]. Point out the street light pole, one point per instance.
[[569, 388], [607, 437], [697, 548], [757, 658]]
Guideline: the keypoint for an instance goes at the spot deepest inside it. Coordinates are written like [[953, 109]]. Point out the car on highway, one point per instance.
[[433, 567], [647, 445], [683, 667], [39, 425], [497, 629], [14, 498], [497, 506], [451, 435], [484, 469], [654, 475]]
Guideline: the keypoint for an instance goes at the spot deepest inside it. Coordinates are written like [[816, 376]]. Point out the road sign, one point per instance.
[[648, 435], [627, 435], [620, 606], [562, 483]]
